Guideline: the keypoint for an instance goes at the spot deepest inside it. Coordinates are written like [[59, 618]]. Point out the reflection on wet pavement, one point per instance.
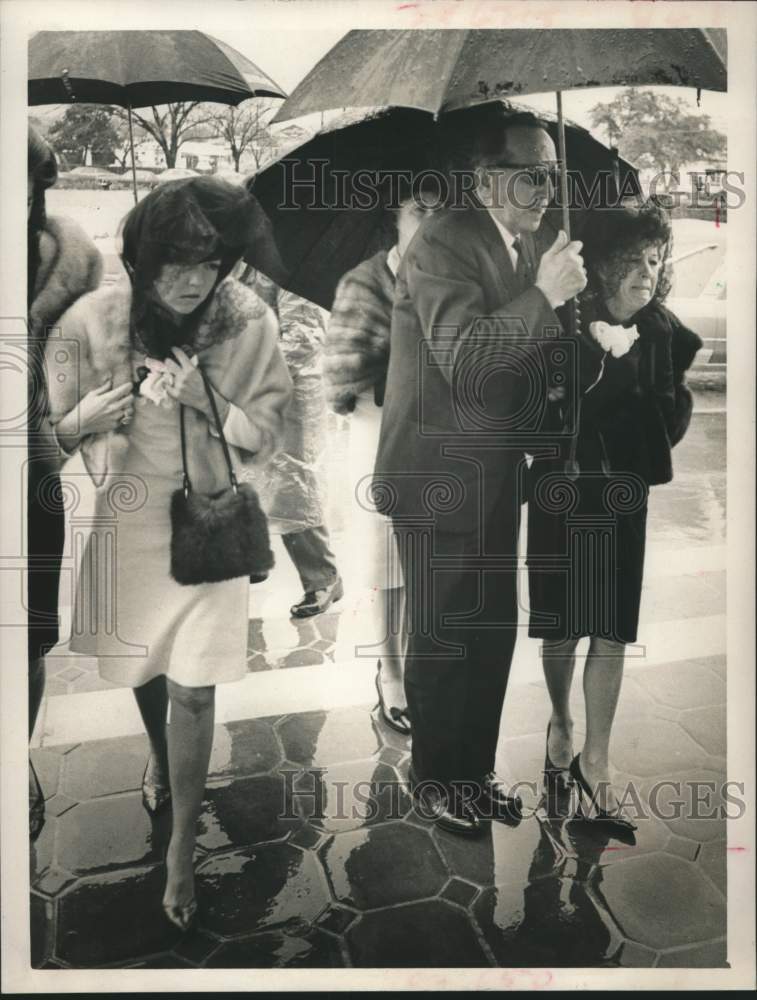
[[311, 854]]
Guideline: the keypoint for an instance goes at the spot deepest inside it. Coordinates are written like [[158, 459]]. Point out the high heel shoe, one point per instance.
[[36, 806], [181, 916], [594, 812], [556, 775], [154, 795], [396, 718]]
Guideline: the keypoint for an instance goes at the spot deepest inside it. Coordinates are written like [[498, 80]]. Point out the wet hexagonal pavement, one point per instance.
[[311, 854]]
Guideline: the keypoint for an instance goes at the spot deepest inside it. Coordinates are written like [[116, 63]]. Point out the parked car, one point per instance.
[[698, 294]]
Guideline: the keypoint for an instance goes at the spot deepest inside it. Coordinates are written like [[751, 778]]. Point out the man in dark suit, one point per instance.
[[462, 395]]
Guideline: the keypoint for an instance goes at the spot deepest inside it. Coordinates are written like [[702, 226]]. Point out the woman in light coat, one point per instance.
[[178, 309]]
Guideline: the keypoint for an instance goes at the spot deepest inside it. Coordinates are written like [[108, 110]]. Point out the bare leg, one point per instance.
[[559, 661], [152, 701], [392, 627], [190, 737], [603, 675]]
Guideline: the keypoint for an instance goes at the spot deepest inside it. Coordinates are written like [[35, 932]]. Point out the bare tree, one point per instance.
[[245, 129], [170, 124]]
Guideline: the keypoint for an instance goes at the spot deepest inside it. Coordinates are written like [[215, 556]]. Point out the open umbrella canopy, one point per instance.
[[444, 70], [141, 68], [327, 199]]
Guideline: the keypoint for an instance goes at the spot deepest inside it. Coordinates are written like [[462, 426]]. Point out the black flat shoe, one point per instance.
[[447, 811], [315, 602], [36, 805], [155, 796], [557, 778], [396, 718], [589, 810]]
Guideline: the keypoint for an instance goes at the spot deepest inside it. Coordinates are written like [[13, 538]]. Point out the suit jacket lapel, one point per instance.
[[492, 238]]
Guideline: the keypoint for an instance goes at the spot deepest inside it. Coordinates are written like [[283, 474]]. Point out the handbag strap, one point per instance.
[[230, 468]]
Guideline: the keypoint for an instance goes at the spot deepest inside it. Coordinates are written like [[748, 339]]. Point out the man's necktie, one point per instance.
[[522, 269]]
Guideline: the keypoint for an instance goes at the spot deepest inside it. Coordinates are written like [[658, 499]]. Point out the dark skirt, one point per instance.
[[586, 540], [45, 535]]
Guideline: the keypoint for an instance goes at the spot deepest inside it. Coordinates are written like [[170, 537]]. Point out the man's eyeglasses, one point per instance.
[[536, 174]]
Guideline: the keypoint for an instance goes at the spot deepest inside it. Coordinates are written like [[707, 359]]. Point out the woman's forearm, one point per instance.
[[68, 431]]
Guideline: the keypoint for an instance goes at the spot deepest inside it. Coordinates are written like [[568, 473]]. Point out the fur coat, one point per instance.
[[357, 337], [70, 265], [237, 345]]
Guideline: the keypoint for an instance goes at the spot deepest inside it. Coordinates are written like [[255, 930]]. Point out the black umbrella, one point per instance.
[[136, 69], [445, 70], [326, 199]]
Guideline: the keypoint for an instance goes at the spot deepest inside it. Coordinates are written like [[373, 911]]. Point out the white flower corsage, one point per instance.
[[154, 386], [615, 340]]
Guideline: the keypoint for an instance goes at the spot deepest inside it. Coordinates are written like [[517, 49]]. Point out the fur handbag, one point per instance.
[[217, 536]]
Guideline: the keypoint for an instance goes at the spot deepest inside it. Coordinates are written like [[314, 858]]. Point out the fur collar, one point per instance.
[[70, 265]]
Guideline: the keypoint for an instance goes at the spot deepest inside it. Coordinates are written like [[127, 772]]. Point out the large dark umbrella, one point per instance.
[[444, 70], [136, 69], [326, 198]]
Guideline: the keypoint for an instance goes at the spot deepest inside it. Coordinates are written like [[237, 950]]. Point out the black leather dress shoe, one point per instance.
[[447, 810], [315, 602], [495, 802]]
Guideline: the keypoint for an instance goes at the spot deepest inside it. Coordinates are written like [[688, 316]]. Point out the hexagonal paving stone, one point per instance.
[[247, 811], [521, 758], [243, 748], [674, 800], [259, 888], [712, 955], [713, 859], [431, 934], [646, 747], [113, 918], [349, 796], [329, 737], [708, 727], [300, 658], [643, 893], [551, 922], [104, 767], [502, 854], [110, 833], [383, 865], [47, 764], [275, 950], [683, 685]]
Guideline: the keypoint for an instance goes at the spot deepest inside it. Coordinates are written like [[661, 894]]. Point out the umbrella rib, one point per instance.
[[464, 33]]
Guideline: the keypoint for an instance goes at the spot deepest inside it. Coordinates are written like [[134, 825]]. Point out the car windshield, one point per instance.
[[698, 260]]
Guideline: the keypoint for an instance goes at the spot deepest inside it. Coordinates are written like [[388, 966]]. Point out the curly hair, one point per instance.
[[612, 236]]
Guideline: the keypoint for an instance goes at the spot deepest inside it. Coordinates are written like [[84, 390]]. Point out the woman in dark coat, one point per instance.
[[586, 535], [63, 264]]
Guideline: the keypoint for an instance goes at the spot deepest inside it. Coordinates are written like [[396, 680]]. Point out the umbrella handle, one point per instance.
[[133, 165]]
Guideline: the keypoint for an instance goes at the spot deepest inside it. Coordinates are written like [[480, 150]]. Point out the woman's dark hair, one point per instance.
[[182, 222], [42, 171], [611, 236]]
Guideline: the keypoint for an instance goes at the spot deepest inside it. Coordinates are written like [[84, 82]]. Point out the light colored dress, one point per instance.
[[128, 610]]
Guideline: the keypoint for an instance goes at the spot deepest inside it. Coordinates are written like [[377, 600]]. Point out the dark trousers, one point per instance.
[[461, 625], [311, 554]]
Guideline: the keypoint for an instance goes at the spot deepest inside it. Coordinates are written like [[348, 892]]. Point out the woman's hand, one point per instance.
[[104, 409], [187, 386], [100, 411]]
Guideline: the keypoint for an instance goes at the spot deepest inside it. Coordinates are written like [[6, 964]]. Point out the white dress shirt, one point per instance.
[[508, 239]]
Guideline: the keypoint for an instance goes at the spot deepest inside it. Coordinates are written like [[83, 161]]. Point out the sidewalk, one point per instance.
[[310, 853]]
